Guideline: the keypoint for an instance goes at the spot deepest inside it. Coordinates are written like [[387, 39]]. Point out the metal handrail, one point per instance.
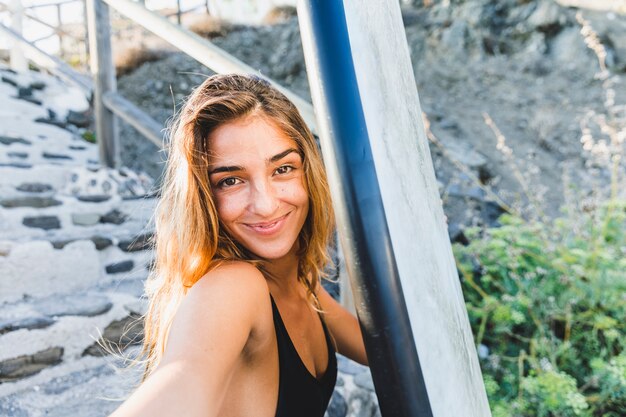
[[107, 102], [57, 29], [51, 63], [55, 3]]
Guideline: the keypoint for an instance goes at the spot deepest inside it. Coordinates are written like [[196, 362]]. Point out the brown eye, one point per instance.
[[285, 169], [228, 182]]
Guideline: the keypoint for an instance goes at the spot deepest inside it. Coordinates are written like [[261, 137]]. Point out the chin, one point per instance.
[[271, 252]]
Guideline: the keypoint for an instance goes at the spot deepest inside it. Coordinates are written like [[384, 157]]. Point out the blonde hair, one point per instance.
[[189, 240]]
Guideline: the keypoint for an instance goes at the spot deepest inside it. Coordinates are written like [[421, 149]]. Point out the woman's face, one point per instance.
[[257, 177]]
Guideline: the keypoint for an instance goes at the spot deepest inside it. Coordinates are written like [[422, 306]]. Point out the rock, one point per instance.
[[137, 243], [457, 190], [117, 336], [362, 402], [364, 380], [547, 17], [30, 201], [85, 219], [42, 222], [93, 198], [455, 232], [9, 81], [87, 305], [114, 216], [35, 322], [34, 187], [24, 92], [78, 119], [491, 212], [54, 122], [50, 155], [27, 365], [21, 155], [16, 165], [31, 100], [8, 140], [101, 242], [118, 267], [337, 406], [37, 85], [60, 244], [568, 48]]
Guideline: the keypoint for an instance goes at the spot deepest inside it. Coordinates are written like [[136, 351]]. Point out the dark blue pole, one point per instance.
[[363, 227]]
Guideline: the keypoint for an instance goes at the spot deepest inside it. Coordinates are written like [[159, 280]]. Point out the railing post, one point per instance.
[[103, 71], [391, 225], [86, 42], [59, 31], [17, 60]]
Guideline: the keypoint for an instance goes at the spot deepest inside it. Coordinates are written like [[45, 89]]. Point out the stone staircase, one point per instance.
[[74, 252]]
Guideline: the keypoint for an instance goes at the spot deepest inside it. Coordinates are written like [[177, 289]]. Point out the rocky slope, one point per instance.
[[507, 87]]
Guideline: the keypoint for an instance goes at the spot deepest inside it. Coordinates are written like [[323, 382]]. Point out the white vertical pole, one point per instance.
[[103, 71], [18, 61], [409, 191]]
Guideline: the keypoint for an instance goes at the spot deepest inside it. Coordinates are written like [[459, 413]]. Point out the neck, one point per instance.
[[283, 276]]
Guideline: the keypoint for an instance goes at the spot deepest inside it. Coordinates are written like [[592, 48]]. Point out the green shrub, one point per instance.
[[548, 300], [89, 136]]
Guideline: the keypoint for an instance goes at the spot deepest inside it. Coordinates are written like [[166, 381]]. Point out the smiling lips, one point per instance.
[[267, 228]]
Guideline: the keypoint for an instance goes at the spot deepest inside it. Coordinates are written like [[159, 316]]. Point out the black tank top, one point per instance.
[[300, 394]]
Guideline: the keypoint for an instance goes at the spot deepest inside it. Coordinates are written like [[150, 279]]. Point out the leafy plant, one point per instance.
[[548, 300]]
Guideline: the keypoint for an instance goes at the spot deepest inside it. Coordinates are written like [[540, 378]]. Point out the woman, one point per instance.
[[238, 323]]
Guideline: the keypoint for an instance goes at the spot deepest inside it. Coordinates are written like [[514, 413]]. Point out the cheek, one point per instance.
[[229, 207], [295, 193]]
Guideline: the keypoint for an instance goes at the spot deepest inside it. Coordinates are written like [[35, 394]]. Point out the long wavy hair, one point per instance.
[[189, 239]]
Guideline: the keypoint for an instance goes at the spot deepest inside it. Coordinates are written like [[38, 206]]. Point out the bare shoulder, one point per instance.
[[226, 304], [206, 341], [238, 279]]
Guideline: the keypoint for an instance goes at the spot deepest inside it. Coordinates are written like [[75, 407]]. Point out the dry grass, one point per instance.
[[279, 14], [210, 27], [131, 58]]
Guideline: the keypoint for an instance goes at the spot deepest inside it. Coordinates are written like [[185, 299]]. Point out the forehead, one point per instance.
[[247, 139]]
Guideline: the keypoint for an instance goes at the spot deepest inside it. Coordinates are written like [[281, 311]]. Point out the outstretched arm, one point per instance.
[[208, 334]]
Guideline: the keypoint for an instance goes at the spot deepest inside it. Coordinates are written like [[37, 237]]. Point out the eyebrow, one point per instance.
[[283, 154], [235, 168]]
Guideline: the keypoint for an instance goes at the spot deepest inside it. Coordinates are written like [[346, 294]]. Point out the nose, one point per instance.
[[263, 199]]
